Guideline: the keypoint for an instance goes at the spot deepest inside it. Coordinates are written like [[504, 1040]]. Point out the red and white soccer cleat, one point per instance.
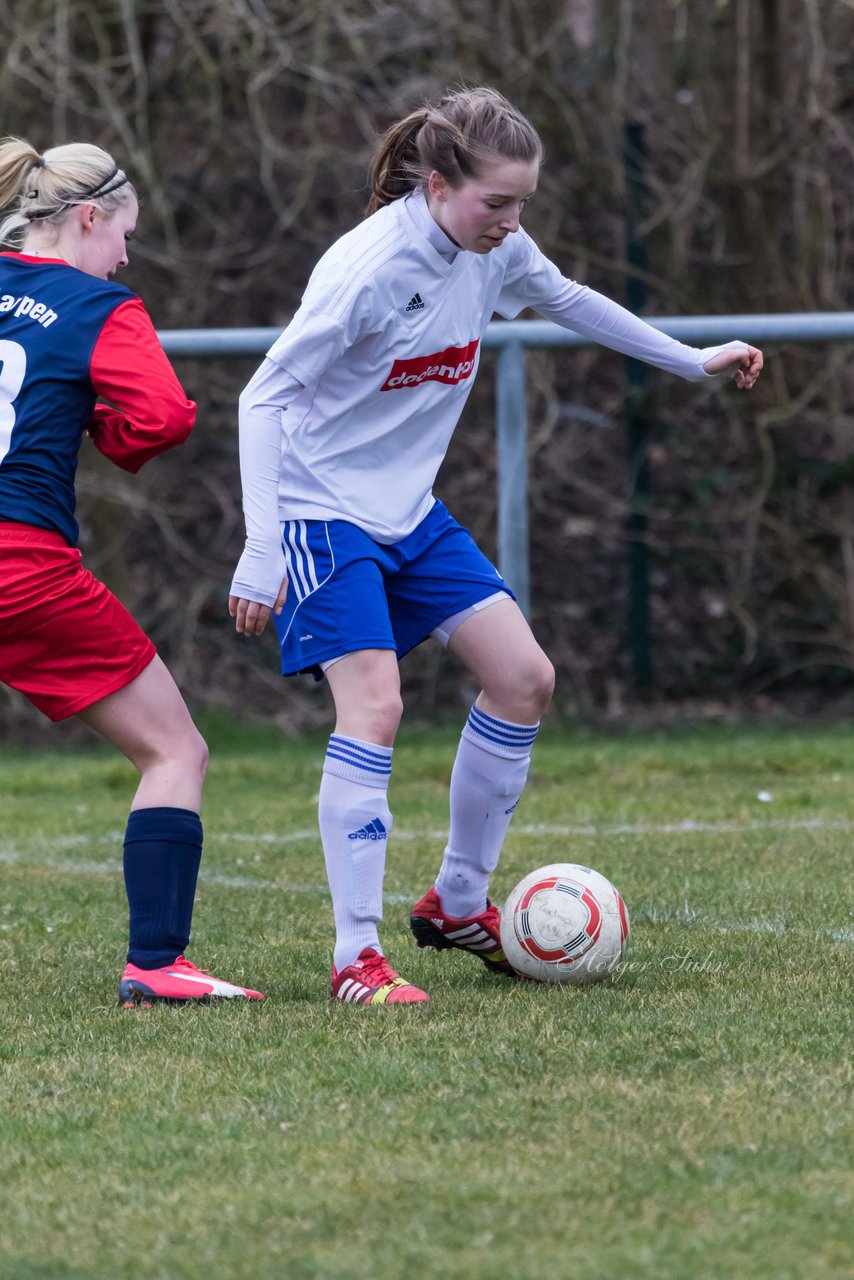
[[480, 935], [371, 980], [176, 983]]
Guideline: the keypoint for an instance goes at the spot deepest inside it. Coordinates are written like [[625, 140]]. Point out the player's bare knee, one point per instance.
[[533, 697], [376, 718], [202, 756], [543, 685], [384, 715], [186, 755], [526, 698]]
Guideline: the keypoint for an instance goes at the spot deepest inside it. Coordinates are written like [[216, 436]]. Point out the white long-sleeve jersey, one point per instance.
[[351, 414]]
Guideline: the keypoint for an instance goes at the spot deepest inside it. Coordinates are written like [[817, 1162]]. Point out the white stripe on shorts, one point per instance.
[[299, 560]]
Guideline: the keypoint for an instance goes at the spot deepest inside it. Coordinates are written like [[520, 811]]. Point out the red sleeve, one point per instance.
[[148, 411]]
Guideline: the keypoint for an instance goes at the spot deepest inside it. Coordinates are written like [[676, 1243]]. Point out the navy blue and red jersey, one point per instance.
[[68, 339]]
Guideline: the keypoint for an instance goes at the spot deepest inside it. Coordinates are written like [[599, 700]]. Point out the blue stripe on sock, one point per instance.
[[495, 738], [501, 731], [492, 722], [357, 763], [348, 751], [378, 773], [367, 748]]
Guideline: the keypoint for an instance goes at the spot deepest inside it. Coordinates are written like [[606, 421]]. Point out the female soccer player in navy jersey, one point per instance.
[[69, 335], [342, 431]]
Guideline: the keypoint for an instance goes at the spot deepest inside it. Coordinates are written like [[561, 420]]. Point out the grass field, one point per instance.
[[690, 1118]]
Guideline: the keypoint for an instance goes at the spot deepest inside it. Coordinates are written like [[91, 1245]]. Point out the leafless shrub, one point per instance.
[[248, 125]]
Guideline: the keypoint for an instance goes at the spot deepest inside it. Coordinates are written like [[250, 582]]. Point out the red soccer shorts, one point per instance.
[[65, 641]]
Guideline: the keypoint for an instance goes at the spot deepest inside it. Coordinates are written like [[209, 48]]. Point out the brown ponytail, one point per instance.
[[463, 131], [396, 164]]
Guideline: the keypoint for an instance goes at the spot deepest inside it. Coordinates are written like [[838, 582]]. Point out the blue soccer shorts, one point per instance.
[[347, 592]]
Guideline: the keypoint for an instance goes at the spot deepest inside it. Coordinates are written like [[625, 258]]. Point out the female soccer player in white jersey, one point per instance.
[[342, 431], [68, 335]]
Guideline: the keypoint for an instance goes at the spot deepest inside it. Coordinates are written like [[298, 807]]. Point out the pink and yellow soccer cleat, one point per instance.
[[176, 983], [370, 979]]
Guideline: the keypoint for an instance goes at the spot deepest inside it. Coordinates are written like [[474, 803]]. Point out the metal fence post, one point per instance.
[[637, 405], [512, 453]]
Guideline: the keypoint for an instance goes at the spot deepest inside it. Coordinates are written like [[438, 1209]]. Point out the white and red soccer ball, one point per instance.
[[564, 923]]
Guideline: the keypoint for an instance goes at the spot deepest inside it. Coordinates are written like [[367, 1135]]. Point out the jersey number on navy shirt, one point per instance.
[[14, 369]]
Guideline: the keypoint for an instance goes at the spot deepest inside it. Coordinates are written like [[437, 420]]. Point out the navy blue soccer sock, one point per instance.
[[162, 852]]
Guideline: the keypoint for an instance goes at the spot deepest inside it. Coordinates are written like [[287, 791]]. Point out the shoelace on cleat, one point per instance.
[[379, 972], [183, 963]]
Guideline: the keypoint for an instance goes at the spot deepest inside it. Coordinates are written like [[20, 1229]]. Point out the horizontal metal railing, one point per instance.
[[511, 338]]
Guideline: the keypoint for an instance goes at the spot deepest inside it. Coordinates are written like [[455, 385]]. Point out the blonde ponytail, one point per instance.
[[42, 188]]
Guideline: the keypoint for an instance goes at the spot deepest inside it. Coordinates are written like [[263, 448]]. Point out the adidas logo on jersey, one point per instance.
[[371, 831], [415, 303]]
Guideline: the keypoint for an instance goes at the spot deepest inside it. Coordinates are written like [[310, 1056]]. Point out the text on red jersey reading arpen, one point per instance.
[[452, 365]]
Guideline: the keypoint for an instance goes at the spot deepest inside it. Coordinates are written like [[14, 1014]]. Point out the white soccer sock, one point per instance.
[[488, 777], [355, 823]]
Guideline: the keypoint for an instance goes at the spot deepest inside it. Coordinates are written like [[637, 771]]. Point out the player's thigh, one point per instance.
[[498, 647], [365, 687], [148, 721]]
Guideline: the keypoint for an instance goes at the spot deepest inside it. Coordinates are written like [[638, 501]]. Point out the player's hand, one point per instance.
[[250, 617], [748, 365]]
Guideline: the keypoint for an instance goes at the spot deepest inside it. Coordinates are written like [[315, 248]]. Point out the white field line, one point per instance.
[[10, 855], [588, 830], [309, 835]]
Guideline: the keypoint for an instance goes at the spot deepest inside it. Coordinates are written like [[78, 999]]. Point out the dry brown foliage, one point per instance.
[[248, 125]]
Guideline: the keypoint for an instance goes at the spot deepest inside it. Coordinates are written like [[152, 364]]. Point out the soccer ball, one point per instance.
[[564, 923]]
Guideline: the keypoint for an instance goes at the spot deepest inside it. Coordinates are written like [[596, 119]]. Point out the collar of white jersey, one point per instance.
[[416, 205]]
